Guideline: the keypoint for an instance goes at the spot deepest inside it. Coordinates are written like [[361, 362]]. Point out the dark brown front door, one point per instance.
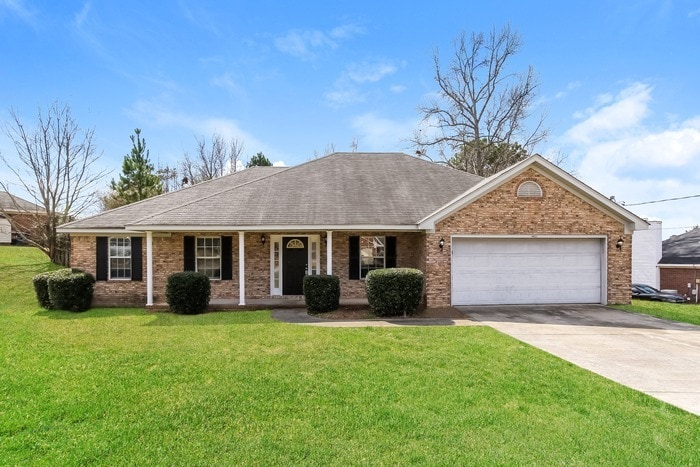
[[295, 257]]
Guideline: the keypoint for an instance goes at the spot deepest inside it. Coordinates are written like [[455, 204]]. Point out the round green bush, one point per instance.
[[394, 291], [322, 293], [41, 288], [188, 292], [70, 290]]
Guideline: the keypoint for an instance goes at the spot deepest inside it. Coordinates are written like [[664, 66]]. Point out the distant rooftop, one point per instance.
[[682, 249], [10, 203]]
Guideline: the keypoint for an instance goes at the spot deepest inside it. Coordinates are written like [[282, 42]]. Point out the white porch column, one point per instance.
[[241, 268], [149, 268], [329, 252]]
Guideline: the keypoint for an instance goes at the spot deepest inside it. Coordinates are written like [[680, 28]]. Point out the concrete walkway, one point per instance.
[[300, 316], [660, 358]]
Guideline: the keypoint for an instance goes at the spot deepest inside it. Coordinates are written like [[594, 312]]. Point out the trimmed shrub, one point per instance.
[[322, 293], [394, 291], [41, 288], [71, 290], [188, 292]]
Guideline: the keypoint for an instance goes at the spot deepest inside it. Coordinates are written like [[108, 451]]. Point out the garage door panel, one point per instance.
[[520, 271]]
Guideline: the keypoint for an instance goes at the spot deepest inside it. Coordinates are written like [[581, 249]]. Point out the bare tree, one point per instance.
[[478, 120], [213, 161], [55, 166], [354, 144]]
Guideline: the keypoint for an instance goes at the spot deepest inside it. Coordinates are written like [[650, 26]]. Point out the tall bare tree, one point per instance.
[[55, 164], [213, 160], [482, 118]]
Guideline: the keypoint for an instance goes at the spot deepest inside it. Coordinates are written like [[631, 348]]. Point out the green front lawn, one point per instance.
[[683, 312], [127, 387]]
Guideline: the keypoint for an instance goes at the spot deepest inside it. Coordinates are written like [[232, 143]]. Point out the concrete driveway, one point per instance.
[[660, 358]]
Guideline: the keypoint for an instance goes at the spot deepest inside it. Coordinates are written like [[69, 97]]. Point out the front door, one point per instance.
[[295, 257]]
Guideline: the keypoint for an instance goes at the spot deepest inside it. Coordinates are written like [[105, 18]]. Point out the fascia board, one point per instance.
[[271, 227]]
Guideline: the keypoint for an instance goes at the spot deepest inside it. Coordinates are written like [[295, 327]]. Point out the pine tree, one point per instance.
[[138, 180], [259, 160]]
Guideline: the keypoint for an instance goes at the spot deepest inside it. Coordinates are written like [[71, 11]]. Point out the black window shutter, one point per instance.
[[354, 255], [226, 258], [136, 257], [102, 259], [390, 252], [188, 245]]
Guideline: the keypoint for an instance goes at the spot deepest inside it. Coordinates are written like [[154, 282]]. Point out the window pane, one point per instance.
[[209, 256], [120, 258], [372, 254]]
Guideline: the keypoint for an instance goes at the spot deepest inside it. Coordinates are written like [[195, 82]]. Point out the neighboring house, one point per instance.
[[646, 253], [530, 234], [21, 212], [679, 268]]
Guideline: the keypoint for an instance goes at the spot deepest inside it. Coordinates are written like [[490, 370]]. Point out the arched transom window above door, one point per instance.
[[295, 243]]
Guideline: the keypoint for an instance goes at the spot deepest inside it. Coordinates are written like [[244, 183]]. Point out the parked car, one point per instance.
[[647, 292]]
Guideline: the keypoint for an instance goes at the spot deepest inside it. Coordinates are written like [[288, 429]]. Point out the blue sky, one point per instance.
[[618, 79]]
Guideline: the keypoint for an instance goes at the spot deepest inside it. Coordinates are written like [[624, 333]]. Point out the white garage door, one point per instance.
[[526, 271]]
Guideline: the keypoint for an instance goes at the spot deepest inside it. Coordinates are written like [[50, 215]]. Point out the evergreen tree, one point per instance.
[[138, 180], [258, 160]]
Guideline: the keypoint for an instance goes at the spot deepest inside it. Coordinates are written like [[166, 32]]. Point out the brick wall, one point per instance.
[[107, 293], [409, 254], [678, 279], [168, 258], [500, 212]]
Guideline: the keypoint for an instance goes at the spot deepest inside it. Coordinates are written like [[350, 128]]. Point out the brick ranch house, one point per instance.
[[531, 234], [679, 266]]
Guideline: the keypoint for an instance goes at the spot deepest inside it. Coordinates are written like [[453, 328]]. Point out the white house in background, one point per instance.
[[5, 231], [646, 253]]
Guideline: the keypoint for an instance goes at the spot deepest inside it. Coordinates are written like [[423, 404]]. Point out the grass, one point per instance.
[[683, 312], [128, 387]]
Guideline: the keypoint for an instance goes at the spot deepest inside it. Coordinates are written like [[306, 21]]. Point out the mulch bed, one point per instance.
[[350, 313]]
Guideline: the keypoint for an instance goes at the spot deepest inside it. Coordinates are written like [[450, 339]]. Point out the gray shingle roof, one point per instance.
[[681, 249], [383, 189], [120, 217], [12, 203]]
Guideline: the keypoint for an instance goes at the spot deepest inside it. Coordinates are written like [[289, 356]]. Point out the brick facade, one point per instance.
[[107, 293], [501, 212], [678, 278], [168, 258]]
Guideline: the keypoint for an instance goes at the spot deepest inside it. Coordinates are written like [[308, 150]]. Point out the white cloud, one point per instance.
[[304, 43], [19, 9], [369, 72], [279, 164], [612, 116], [569, 87], [347, 88], [156, 113], [341, 97], [622, 152], [397, 88], [376, 133]]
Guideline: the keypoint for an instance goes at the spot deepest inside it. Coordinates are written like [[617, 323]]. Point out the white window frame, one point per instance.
[[197, 256], [120, 248], [374, 257]]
